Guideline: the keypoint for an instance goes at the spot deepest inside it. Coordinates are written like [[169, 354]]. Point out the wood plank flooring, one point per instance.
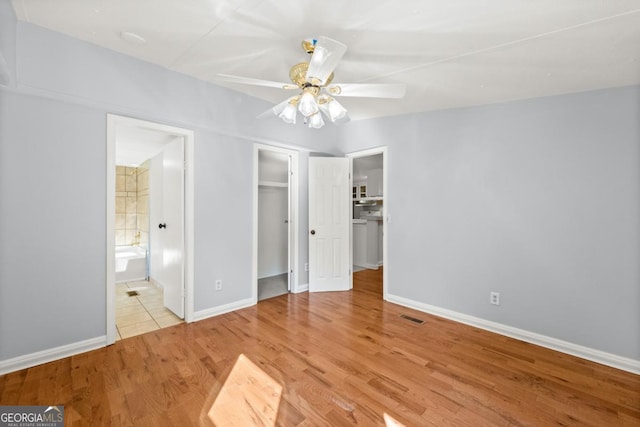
[[335, 359]]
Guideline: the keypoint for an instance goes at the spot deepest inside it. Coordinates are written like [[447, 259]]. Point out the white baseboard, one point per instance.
[[300, 288], [40, 357], [598, 356], [155, 283], [222, 309]]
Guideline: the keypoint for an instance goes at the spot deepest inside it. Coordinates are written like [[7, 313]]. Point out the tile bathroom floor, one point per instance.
[[142, 313]]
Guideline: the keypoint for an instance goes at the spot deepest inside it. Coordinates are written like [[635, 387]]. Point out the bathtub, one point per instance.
[[131, 263]]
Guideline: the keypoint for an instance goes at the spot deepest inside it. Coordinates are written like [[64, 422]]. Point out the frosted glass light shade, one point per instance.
[[334, 110], [307, 105], [315, 121], [288, 115]]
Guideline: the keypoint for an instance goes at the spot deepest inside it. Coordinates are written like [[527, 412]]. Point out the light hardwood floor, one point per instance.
[[328, 359]]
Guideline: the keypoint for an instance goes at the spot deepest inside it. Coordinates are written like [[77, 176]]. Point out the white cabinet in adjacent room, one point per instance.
[[360, 242], [374, 227], [374, 183]]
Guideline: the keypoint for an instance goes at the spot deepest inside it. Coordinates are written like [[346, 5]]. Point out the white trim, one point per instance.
[[300, 288], [385, 211], [294, 220], [110, 295], [113, 122], [189, 226], [351, 225], [254, 222], [598, 356], [49, 355], [222, 309]]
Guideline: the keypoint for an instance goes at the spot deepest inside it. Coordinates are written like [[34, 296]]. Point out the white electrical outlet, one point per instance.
[[306, 266], [218, 285], [494, 298]]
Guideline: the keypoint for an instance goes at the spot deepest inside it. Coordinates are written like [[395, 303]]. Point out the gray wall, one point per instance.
[[53, 136], [538, 200], [52, 224]]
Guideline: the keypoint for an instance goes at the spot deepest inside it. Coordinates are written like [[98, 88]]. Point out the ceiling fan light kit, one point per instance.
[[314, 80], [288, 114], [308, 105], [315, 121], [332, 109]]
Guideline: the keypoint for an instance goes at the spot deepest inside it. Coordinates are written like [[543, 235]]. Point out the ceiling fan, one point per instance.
[[314, 80]]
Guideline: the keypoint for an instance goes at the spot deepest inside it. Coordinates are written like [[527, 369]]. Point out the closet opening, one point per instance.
[[275, 222]]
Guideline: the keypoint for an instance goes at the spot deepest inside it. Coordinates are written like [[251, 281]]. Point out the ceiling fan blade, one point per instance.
[[255, 82], [369, 90], [326, 55], [275, 110]]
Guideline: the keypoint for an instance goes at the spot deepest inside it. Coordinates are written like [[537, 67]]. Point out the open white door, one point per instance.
[[168, 270], [329, 224]]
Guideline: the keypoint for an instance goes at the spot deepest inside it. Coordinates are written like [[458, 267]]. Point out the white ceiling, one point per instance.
[[450, 53]]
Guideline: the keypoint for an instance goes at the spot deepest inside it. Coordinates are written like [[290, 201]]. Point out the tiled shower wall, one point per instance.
[[132, 205], [142, 202]]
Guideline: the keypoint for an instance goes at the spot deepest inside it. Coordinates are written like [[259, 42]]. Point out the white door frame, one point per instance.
[[385, 211], [113, 122], [293, 239]]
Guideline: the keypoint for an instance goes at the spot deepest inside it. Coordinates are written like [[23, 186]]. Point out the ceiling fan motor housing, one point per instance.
[[298, 75]]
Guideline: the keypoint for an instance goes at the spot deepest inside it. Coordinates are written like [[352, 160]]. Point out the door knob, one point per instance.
[[162, 225], [313, 232]]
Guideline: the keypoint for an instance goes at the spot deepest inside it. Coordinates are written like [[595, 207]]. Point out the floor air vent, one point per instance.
[[133, 293], [412, 319]]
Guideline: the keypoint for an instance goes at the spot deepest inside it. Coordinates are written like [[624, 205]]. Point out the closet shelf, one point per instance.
[[273, 184]]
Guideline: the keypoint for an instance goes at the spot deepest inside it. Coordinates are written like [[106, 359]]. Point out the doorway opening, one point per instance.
[[369, 213], [149, 226], [275, 219]]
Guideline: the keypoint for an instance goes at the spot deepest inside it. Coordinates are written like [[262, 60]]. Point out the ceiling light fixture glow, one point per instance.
[[312, 105], [333, 109], [288, 115], [308, 105], [315, 121]]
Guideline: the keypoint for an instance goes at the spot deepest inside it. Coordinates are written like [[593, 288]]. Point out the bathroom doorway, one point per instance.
[[149, 217], [275, 216]]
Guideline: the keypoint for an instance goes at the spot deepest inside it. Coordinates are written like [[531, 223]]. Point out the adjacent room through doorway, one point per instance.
[[368, 181], [148, 225]]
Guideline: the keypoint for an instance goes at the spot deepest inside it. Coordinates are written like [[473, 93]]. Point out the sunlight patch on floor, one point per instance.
[[249, 397], [389, 421]]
